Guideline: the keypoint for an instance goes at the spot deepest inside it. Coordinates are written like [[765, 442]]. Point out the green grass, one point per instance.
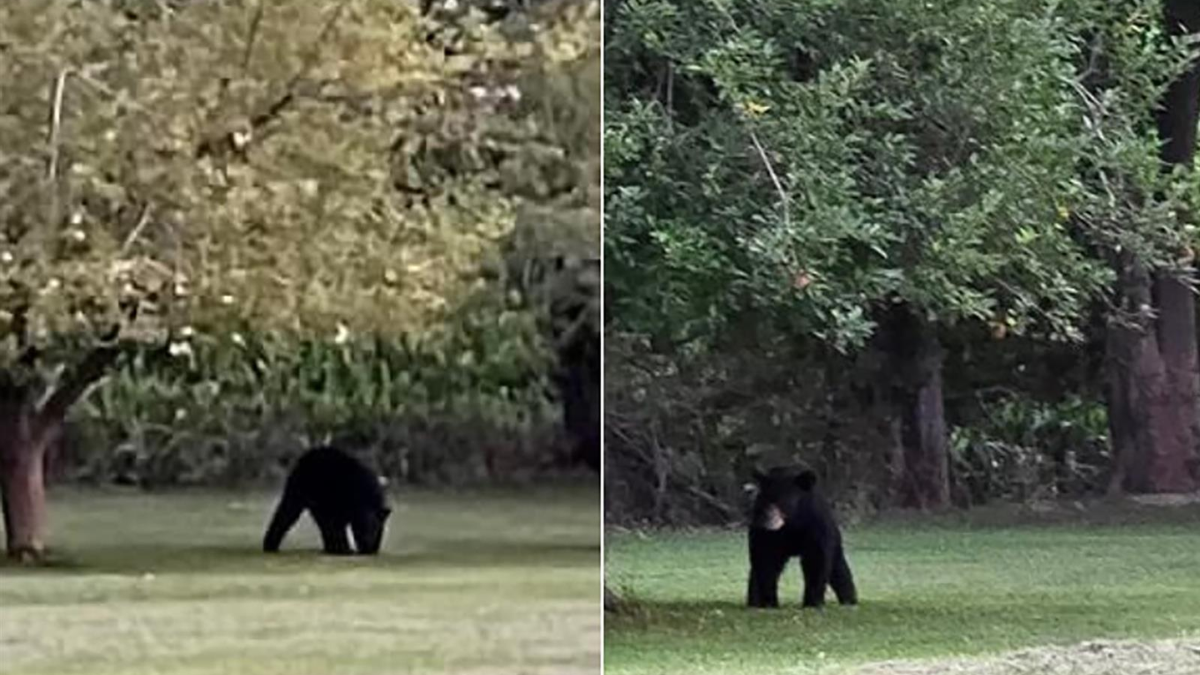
[[486, 582], [941, 588]]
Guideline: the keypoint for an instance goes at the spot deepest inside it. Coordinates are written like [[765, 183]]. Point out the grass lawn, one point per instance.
[[946, 586], [477, 582]]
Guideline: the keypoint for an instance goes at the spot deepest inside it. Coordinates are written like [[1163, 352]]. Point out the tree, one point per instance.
[[552, 262], [1153, 385], [864, 175], [320, 170]]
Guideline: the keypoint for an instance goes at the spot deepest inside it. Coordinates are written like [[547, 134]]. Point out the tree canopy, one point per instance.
[[861, 193], [318, 202], [258, 164], [825, 158]]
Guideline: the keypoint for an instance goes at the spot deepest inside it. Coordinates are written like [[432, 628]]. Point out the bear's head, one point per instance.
[[368, 529], [777, 494]]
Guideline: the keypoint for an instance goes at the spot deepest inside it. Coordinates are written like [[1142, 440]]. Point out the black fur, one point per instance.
[[339, 492], [791, 519]]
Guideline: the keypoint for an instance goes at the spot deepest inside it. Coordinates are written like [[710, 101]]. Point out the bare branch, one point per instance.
[[783, 196], [310, 62], [255, 22], [1093, 65], [1095, 109], [137, 229], [230, 141], [60, 85], [670, 87], [72, 385]]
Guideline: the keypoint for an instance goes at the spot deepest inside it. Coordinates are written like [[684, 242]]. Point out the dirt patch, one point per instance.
[[1167, 657]]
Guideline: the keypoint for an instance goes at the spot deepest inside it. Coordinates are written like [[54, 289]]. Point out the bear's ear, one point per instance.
[[750, 488], [806, 480], [383, 482]]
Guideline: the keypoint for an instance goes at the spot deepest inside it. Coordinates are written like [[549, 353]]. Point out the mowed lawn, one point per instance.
[[928, 589], [488, 582]]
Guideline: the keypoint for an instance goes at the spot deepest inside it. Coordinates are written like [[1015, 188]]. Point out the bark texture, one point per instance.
[[29, 424], [919, 461], [21, 479], [1153, 379]]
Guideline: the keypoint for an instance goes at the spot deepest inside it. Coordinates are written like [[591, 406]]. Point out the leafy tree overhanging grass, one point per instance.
[[868, 175], [318, 170]]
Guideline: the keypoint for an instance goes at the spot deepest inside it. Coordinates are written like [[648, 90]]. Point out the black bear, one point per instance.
[[339, 492], [791, 519]]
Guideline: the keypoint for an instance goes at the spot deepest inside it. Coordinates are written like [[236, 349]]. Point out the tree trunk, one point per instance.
[[920, 463], [26, 430], [25, 505], [1154, 381], [22, 456], [1151, 415]]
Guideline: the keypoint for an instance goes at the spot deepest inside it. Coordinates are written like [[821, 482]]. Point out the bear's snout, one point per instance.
[[771, 519]]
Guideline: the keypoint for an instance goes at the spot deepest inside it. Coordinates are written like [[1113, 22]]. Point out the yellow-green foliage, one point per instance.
[[315, 168], [302, 198]]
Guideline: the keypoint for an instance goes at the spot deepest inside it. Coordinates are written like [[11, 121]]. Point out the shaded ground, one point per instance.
[[952, 587], [1166, 657], [175, 583]]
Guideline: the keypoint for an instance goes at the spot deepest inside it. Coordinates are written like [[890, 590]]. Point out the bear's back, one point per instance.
[[326, 473]]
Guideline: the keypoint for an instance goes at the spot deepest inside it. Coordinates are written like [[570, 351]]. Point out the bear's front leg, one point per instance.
[[766, 566], [333, 536], [764, 589], [754, 597]]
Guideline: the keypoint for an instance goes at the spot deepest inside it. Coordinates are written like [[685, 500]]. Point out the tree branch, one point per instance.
[[60, 85], [137, 229], [231, 142], [783, 195], [255, 22], [310, 61], [73, 385], [54, 141]]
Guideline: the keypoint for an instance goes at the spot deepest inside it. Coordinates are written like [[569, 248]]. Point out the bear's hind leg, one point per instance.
[[286, 515], [842, 580], [816, 569]]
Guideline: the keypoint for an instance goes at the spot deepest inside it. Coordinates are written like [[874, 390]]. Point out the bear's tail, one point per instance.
[[286, 515], [807, 480]]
